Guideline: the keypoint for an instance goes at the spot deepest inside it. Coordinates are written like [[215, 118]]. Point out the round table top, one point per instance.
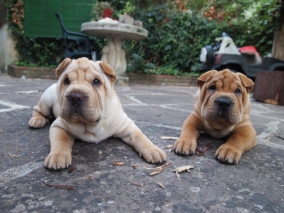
[[103, 29]]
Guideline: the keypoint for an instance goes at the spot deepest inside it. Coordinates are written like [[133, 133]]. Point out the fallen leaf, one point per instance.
[[71, 169], [134, 166], [202, 150], [90, 177], [168, 138], [67, 187], [12, 155], [183, 168], [160, 169], [161, 185], [169, 146], [137, 184], [118, 163]]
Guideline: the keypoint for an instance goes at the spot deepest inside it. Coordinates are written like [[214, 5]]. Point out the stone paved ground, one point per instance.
[[256, 184]]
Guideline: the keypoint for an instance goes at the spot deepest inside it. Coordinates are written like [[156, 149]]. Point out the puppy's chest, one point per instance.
[[93, 135], [218, 130]]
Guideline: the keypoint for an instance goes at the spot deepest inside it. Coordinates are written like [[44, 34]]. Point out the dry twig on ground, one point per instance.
[[118, 163], [67, 187], [168, 138], [160, 169], [137, 184]]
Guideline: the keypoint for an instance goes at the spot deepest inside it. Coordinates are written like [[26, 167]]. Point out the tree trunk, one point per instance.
[[278, 43], [2, 14]]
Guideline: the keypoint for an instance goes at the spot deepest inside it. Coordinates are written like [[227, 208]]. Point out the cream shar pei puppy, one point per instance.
[[86, 107]]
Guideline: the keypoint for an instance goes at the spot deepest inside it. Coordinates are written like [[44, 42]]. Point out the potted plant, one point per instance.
[[101, 10], [128, 11]]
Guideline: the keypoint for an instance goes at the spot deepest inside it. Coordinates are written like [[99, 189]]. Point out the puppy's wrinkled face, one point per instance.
[[82, 90], [223, 97]]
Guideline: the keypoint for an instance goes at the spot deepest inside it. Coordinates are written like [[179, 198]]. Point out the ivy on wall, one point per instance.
[[34, 51]]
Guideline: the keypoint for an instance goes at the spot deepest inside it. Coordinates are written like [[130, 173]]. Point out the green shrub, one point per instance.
[[174, 41], [175, 38], [139, 65]]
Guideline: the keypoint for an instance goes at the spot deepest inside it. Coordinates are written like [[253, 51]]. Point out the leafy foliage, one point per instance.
[[139, 65], [41, 52], [98, 9], [175, 37]]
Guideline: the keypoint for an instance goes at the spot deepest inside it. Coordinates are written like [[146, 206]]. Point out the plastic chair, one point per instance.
[[72, 41]]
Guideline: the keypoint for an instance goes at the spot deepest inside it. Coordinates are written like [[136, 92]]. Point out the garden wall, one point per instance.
[[134, 78], [31, 72], [164, 80]]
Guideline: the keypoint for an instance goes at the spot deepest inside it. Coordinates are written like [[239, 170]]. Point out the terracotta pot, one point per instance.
[[107, 13]]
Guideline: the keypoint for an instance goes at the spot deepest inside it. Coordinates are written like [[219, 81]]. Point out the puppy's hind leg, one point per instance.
[[43, 109], [38, 120]]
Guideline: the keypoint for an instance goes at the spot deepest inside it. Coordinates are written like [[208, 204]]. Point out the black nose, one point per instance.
[[76, 98], [224, 103]]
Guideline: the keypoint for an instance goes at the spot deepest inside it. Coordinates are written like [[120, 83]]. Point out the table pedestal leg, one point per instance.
[[114, 55]]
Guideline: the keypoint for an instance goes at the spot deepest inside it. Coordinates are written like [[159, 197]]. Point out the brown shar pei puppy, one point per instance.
[[221, 109], [86, 107]]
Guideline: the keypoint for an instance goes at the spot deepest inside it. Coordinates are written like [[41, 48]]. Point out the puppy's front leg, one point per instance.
[[241, 140], [60, 149], [187, 142], [133, 136]]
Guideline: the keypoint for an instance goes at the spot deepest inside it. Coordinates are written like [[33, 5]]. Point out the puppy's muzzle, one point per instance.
[[224, 104], [76, 99]]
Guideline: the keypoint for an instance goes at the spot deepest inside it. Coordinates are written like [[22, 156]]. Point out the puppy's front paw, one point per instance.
[[58, 160], [38, 121], [228, 154], [185, 146], [153, 154]]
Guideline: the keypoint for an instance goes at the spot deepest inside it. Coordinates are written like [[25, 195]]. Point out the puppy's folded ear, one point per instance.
[[108, 70], [205, 77], [62, 67], [247, 82]]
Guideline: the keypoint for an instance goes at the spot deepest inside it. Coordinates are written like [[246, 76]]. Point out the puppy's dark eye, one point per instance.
[[66, 81], [238, 91], [96, 82], [212, 88]]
